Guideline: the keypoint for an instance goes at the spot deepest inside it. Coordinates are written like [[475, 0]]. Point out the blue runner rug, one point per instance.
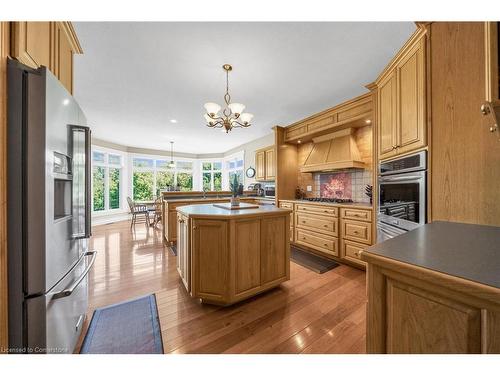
[[130, 327]]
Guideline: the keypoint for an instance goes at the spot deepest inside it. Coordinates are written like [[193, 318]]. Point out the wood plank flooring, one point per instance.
[[310, 313]]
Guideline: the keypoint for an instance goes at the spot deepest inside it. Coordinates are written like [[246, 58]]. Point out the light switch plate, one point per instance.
[[309, 188]]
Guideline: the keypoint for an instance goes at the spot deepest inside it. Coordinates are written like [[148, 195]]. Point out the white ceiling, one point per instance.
[[134, 77]]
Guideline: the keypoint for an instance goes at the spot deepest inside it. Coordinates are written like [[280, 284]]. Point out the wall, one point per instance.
[[360, 179], [249, 150], [465, 156]]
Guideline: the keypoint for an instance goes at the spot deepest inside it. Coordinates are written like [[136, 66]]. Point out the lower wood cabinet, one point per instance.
[[320, 242], [413, 310], [183, 257], [352, 251], [357, 231], [289, 206]]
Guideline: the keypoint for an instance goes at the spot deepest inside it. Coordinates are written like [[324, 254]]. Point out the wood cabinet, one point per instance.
[[414, 310], [356, 112], [50, 44], [401, 100], [183, 253], [357, 233], [265, 164], [289, 206], [223, 258]]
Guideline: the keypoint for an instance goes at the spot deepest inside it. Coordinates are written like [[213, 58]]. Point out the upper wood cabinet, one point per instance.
[[265, 164], [50, 44], [401, 100], [356, 112]]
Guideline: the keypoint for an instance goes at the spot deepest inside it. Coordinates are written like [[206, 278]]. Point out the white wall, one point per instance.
[[249, 150]]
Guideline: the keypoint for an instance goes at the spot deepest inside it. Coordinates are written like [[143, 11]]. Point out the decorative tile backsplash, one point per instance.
[[346, 184]]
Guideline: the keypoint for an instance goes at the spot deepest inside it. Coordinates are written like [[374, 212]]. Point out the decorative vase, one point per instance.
[[235, 201]]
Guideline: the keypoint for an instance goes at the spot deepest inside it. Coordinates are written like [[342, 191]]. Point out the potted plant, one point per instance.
[[236, 189]]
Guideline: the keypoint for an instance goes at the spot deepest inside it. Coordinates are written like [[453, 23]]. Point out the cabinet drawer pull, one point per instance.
[[326, 225], [356, 232], [356, 253], [325, 244], [303, 221]]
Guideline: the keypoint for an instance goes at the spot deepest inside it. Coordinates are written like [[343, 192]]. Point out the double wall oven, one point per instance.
[[402, 195]]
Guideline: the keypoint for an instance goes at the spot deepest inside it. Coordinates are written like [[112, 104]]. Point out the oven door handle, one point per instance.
[[67, 292], [401, 178]]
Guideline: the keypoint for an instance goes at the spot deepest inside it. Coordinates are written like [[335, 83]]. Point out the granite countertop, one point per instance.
[[352, 205], [208, 198], [467, 251], [209, 211]]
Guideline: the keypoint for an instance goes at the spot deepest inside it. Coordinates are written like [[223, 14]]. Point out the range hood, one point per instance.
[[333, 151]]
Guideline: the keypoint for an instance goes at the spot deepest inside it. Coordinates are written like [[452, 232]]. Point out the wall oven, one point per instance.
[[402, 195]]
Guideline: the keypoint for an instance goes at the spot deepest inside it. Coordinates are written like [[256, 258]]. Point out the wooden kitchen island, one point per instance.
[[225, 256]]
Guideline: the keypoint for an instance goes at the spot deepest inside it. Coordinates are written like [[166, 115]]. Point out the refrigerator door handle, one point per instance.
[[68, 291], [81, 190], [88, 184]]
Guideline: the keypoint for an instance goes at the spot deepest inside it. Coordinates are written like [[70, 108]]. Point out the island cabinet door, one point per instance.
[[275, 250], [245, 256], [210, 260], [183, 256]]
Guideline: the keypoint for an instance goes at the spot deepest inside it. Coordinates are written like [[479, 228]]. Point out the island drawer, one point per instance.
[[355, 214], [357, 231], [316, 241], [352, 251], [322, 224], [322, 210]]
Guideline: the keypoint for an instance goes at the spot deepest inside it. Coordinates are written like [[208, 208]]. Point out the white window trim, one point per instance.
[[211, 171], [123, 177], [226, 171], [131, 169]]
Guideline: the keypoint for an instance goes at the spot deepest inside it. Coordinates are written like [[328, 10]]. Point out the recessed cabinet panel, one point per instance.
[[275, 249], [387, 116], [31, 43], [247, 255], [419, 321]]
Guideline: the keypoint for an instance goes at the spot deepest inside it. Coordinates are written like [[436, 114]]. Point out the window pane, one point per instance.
[[114, 188], [239, 163], [114, 159], [207, 183], [164, 179], [218, 165], [98, 187], [218, 181], [163, 164], [184, 165], [185, 181], [98, 156], [207, 166], [232, 164], [143, 185], [143, 163]]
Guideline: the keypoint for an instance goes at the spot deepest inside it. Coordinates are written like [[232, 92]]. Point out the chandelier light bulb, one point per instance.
[[246, 118], [236, 108], [212, 109]]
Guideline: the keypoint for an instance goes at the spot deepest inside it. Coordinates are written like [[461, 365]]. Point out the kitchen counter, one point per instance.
[[214, 212], [467, 251], [350, 205], [435, 289], [207, 198], [225, 256]]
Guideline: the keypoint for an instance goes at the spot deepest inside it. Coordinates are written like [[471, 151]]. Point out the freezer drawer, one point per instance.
[[65, 307]]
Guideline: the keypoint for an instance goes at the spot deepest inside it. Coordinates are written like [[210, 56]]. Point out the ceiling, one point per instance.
[[134, 77]]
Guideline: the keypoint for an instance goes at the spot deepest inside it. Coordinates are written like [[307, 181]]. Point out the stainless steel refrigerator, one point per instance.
[[48, 213]]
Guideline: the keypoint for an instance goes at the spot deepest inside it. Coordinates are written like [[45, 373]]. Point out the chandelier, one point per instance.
[[232, 115]]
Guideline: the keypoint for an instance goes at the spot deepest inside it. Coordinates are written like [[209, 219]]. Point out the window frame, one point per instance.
[[227, 171], [106, 165], [212, 171]]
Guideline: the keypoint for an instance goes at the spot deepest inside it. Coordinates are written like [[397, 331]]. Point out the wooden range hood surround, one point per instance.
[[333, 151]]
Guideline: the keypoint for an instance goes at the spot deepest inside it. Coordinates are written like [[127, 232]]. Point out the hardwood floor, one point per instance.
[[311, 313]]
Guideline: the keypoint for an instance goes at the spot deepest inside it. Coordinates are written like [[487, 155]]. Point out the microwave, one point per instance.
[[270, 191]]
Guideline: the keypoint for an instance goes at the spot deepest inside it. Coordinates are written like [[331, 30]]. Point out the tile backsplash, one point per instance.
[[342, 184]]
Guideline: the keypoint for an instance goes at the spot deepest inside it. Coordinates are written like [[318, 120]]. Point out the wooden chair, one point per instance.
[[138, 210], [157, 211]]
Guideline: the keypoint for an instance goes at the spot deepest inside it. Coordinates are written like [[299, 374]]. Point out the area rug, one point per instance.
[[130, 327], [313, 262]]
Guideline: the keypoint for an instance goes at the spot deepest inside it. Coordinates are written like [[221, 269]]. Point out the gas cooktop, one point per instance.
[[329, 200]]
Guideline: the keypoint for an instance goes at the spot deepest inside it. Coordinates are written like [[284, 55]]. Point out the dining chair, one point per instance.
[[138, 210], [157, 211]]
